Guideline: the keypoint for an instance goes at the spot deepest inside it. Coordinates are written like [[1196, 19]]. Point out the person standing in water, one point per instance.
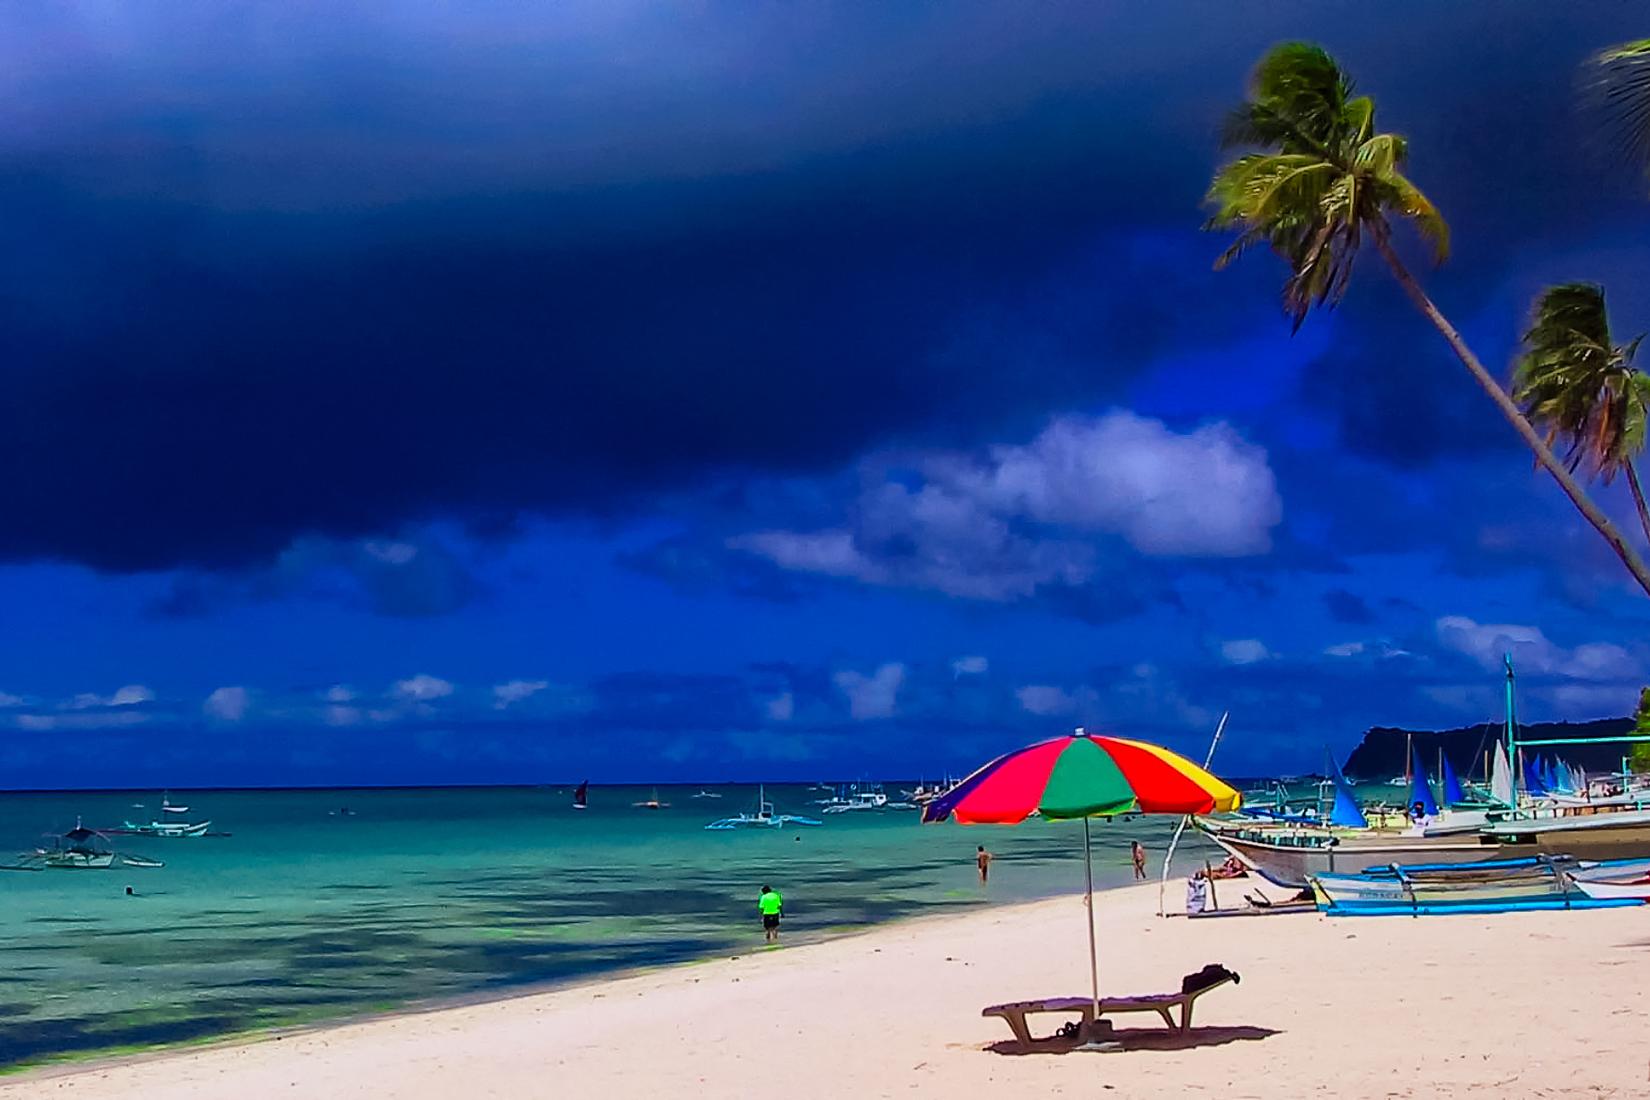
[[771, 906], [1139, 855], [982, 860]]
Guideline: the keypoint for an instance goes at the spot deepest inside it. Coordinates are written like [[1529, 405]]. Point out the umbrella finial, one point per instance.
[[1079, 732]]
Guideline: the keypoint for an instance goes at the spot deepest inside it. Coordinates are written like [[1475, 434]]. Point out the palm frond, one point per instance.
[[1619, 84], [1408, 200]]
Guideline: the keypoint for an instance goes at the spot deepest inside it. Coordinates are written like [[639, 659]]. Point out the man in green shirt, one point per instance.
[[771, 905]]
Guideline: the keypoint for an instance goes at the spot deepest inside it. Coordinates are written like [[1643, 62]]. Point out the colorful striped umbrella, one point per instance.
[[1083, 776]]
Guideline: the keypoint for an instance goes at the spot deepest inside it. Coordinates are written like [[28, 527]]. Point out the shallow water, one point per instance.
[[302, 914]]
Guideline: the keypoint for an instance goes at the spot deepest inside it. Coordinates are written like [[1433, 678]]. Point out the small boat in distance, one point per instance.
[[581, 796], [652, 803], [763, 818], [166, 806], [707, 794], [170, 829]]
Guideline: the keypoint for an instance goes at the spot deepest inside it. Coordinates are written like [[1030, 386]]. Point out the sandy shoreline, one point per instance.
[[1531, 1004]]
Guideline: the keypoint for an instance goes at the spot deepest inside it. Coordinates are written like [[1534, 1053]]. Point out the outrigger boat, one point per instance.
[[652, 803], [858, 798], [1521, 820], [763, 818], [170, 829], [1621, 878], [79, 849], [1495, 886]]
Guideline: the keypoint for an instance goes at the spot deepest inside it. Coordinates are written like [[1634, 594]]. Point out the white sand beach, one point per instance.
[[1531, 1004]]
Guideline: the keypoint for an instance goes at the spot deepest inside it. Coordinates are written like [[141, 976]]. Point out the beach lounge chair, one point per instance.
[[1192, 986]]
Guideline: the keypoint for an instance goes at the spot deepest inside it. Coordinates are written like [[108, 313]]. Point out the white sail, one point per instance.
[[1501, 784]]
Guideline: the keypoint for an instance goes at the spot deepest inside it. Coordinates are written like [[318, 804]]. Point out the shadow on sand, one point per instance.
[[1138, 1039]]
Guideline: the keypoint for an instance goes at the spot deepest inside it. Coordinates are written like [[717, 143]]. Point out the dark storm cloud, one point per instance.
[[342, 270]]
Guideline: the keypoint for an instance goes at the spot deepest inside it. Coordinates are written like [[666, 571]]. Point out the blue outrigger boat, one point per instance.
[[1494, 886]]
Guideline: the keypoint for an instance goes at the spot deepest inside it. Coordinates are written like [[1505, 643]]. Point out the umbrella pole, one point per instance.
[[1088, 902]]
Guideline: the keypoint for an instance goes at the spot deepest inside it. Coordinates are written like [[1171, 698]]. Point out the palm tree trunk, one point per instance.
[[1543, 454], [1638, 497]]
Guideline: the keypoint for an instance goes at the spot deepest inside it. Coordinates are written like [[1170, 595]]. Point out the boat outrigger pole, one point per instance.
[[1163, 883]]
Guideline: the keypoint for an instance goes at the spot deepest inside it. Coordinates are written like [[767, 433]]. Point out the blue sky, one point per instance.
[[397, 394]]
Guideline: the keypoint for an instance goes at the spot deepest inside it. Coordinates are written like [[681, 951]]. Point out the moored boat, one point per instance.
[[763, 818], [1495, 886], [169, 829], [1614, 879]]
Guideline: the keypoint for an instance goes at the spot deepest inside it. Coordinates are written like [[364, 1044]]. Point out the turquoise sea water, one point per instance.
[[302, 914]]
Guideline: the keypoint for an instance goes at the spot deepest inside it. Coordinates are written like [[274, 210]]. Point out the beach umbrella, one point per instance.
[[1083, 776]]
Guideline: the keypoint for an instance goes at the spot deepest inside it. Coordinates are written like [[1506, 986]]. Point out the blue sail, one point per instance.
[[1453, 794], [1566, 778], [1346, 811], [1547, 778], [1419, 789], [1532, 778]]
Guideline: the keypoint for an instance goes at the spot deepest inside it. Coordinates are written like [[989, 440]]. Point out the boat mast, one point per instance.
[[1513, 761]]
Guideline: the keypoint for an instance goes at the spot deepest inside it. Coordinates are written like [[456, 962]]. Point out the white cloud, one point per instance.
[[10, 700], [1205, 493], [130, 695], [872, 696], [391, 553], [339, 693], [515, 691], [1049, 701], [228, 704], [101, 720], [1532, 651], [970, 666], [782, 707], [1380, 648], [340, 715], [1244, 651], [422, 689], [1022, 517]]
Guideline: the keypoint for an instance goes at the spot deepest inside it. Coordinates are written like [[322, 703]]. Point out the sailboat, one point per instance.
[[164, 826], [652, 803], [581, 795], [763, 818]]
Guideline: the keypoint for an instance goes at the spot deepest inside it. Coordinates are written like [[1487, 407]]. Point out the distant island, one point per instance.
[[1380, 755]]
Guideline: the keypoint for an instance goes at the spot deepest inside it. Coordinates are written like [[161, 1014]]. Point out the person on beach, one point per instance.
[[1139, 854], [982, 860], [771, 906]]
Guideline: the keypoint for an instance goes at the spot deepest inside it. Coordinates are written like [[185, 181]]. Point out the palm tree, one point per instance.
[[1621, 79], [1326, 180], [1582, 388]]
